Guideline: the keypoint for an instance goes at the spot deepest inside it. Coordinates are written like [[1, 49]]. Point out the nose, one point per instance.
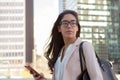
[[69, 25]]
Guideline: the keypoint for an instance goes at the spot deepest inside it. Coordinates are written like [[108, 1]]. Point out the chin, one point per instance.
[[70, 37]]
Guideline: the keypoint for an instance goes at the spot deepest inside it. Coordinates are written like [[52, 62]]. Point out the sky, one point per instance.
[[45, 14]]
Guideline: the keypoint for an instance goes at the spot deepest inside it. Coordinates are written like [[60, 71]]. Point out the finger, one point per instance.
[[40, 78], [37, 78], [42, 75], [43, 79], [31, 72], [36, 75]]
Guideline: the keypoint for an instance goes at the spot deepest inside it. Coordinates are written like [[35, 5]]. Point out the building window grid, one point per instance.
[[12, 62], [93, 7], [11, 18], [11, 11], [12, 47], [18, 32], [10, 4], [108, 20], [11, 54], [11, 25], [92, 18], [11, 39], [103, 2], [113, 32], [71, 4]]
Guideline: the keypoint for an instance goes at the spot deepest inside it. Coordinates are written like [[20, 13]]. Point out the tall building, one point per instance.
[[16, 36], [67, 4], [99, 25], [112, 30]]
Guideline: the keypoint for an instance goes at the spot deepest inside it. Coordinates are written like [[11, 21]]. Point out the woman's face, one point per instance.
[[68, 27]]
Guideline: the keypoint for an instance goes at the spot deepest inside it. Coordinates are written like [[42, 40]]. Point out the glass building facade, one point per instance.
[[99, 21], [99, 25], [113, 31], [16, 36]]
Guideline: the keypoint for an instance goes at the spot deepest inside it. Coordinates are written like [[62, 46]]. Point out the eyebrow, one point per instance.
[[67, 20]]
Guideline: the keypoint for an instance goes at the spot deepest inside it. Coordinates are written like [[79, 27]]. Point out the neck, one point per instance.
[[69, 41]]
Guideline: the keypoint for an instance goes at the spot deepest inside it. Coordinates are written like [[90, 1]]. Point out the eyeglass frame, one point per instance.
[[73, 23]]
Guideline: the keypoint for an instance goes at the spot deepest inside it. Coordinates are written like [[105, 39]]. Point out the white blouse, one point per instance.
[[63, 73], [59, 66]]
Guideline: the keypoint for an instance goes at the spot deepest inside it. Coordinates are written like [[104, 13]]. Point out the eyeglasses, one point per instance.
[[65, 23]]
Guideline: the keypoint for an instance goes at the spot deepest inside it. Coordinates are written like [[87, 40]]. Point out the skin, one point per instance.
[[69, 32], [69, 36]]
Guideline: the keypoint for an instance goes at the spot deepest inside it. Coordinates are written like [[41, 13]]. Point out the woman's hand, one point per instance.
[[38, 76]]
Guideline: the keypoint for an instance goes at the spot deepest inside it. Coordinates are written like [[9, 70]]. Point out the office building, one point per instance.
[[16, 36], [99, 25]]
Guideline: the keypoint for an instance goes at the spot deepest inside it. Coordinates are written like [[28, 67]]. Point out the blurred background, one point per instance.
[[25, 26]]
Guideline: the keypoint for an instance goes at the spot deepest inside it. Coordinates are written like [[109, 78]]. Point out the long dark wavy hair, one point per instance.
[[56, 40]]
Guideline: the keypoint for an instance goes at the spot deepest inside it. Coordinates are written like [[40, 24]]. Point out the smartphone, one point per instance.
[[32, 70]]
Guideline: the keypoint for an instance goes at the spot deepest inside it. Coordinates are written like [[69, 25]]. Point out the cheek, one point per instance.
[[59, 29], [76, 29]]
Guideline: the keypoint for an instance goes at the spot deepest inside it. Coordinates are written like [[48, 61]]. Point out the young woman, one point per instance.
[[63, 50]]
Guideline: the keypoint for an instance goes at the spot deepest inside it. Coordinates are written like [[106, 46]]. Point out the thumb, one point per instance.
[[42, 75]]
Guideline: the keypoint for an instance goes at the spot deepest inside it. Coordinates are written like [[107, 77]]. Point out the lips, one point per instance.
[[69, 31]]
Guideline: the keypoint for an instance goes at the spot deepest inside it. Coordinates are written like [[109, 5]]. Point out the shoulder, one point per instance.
[[87, 46]]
